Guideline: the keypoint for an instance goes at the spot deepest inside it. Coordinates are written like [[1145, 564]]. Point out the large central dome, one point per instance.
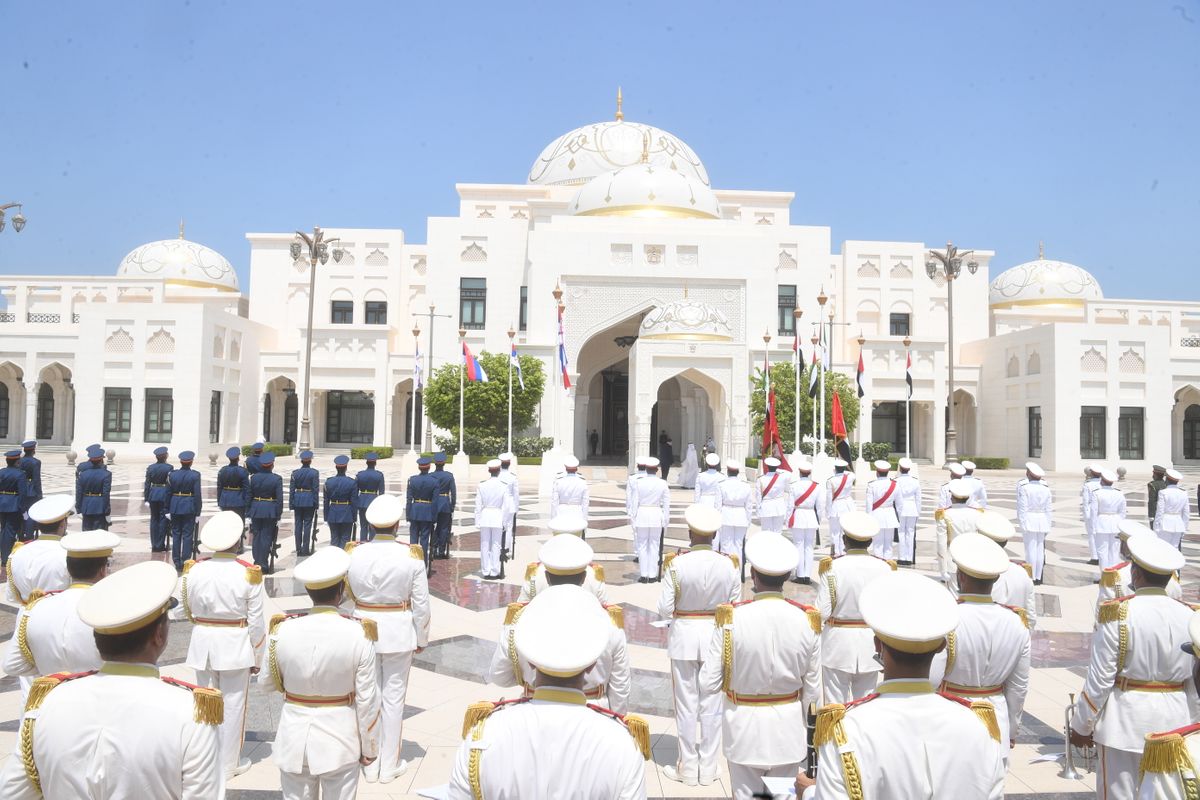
[[586, 152]]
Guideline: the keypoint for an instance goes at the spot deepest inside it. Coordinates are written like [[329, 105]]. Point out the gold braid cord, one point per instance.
[[183, 598], [951, 651], [26, 744], [512, 657], [852, 776], [832, 584], [23, 640], [830, 729], [473, 763], [273, 666], [727, 659]]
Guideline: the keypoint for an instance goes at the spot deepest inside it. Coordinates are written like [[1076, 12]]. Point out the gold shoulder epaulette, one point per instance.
[[617, 615], [941, 512], [737, 564], [814, 619], [1028, 568], [891, 562], [825, 565], [512, 612], [187, 565], [208, 707], [724, 615], [639, 729], [475, 713], [829, 719], [16, 546], [1112, 611], [34, 596], [275, 620], [668, 558], [416, 551], [1022, 613], [598, 572], [987, 715], [38, 691], [349, 546], [1164, 752], [1110, 578], [531, 569], [254, 574], [370, 628]]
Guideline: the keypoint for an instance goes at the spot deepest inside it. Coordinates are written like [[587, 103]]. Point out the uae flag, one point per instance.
[[839, 421], [858, 378], [812, 376], [908, 374]]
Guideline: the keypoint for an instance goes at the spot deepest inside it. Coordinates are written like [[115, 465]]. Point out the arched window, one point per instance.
[[1191, 432], [45, 412], [3, 410], [267, 415]]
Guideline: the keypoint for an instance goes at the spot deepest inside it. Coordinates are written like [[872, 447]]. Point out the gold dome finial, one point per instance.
[[181, 227], [620, 113], [645, 147], [1041, 250]]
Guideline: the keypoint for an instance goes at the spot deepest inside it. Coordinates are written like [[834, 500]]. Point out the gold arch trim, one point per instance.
[[646, 210]]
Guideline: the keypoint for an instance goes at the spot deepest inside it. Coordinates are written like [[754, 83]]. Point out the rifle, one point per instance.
[[503, 548], [810, 767], [742, 563], [274, 547], [662, 536]]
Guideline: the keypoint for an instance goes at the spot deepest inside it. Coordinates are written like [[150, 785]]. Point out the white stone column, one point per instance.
[[389, 407], [938, 428], [31, 397], [262, 435]]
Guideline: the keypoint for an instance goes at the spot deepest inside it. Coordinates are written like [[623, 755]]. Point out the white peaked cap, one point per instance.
[[563, 630], [565, 554], [908, 611], [995, 526], [905, 463], [968, 465], [957, 470], [385, 511], [772, 461], [506, 456], [129, 599], [712, 460], [566, 523], [841, 462], [52, 509], [960, 488], [324, 568], [771, 554], [1174, 474], [571, 462], [882, 464], [1108, 475], [1128, 528], [492, 463], [702, 519], [222, 531], [859, 525], [652, 462], [91, 544], [1035, 469], [804, 465], [978, 556], [1154, 555]]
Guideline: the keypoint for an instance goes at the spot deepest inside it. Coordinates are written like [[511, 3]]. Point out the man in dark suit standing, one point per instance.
[[666, 454]]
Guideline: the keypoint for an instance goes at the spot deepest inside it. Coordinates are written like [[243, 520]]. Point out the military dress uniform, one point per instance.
[[31, 465], [1169, 760], [266, 509], [93, 489], [1035, 505], [387, 582], [848, 666], [1171, 515], [447, 503], [1090, 484], [569, 496], [773, 488], [839, 498], [737, 507], [233, 485], [41, 563], [421, 511], [371, 484], [514, 493], [697, 582], [651, 515], [535, 571], [222, 596], [341, 497], [154, 494], [304, 496], [1157, 484], [807, 501], [1107, 510], [979, 497], [765, 658], [882, 501], [183, 505], [1014, 587], [634, 477], [949, 522], [708, 483], [1117, 580], [909, 509], [14, 488], [491, 505], [254, 460]]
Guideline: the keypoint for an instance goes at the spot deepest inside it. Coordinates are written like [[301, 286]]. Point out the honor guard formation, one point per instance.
[[888, 684]]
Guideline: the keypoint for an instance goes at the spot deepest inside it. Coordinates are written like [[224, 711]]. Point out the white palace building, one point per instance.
[[669, 285]]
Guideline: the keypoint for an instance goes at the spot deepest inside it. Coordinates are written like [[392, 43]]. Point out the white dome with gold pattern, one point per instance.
[[688, 320], [1043, 283], [180, 262], [645, 190]]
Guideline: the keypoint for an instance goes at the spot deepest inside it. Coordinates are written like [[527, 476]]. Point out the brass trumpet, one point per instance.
[[1068, 771]]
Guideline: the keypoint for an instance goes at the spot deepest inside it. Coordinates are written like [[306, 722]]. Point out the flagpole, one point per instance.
[[511, 334], [822, 298], [766, 388], [412, 427], [862, 396], [796, 314], [462, 375], [815, 340], [907, 398]]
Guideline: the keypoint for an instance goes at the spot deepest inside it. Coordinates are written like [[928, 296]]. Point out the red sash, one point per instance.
[[837, 493], [771, 485], [881, 501], [799, 500]]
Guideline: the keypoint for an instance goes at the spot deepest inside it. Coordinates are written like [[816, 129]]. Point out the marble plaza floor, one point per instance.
[[467, 614]]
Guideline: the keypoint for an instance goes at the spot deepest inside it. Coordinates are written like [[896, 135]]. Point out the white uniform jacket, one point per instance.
[[222, 597], [651, 503], [1035, 505], [1168, 773], [40, 564], [696, 583], [630, 489], [514, 491], [1107, 509], [570, 495], [806, 503], [910, 495], [1171, 515], [956, 520], [708, 488], [1015, 588], [1085, 496], [847, 644], [839, 494], [593, 581], [881, 501], [387, 583], [773, 490], [324, 666], [492, 501], [51, 637], [979, 495], [1117, 581], [737, 503]]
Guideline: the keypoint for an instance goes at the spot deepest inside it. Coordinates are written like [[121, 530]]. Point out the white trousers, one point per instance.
[[881, 545], [1118, 776], [842, 687], [835, 536], [1108, 550], [774, 524], [391, 673], [1035, 551], [1091, 539], [943, 556], [645, 542], [233, 683], [489, 550], [908, 539], [747, 781], [730, 539], [697, 720], [340, 784], [803, 538], [1175, 539]]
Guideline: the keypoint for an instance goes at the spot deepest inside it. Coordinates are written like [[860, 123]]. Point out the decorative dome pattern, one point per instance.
[[686, 320], [1044, 282], [584, 153], [180, 262], [645, 190]]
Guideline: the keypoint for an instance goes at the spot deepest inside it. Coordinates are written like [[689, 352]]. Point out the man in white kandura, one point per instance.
[[848, 666], [905, 740], [882, 501], [697, 582], [1015, 586], [952, 520], [1138, 679], [1035, 505], [323, 663], [569, 496], [122, 731], [909, 488], [708, 483], [1169, 761], [737, 508], [765, 656], [535, 571], [773, 488], [807, 501], [387, 583], [222, 597], [651, 513], [554, 743], [1171, 515], [839, 498], [1091, 482], [492, 500], [1107, 511]]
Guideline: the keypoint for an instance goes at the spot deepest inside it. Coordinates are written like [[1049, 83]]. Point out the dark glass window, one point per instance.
[[786, 304], [267, 415], [45, 412], [118, 414], [1191, 432], [1131, 433], [523, 313], [900, 324], [341, 312], [1092, 442], [214, 417], [3, 411], [349, 418], [472, 303], [1035, 431], [160, 415], [888, 425], [376, 312]]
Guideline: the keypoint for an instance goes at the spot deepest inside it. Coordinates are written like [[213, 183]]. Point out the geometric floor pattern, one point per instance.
[[468, 612]]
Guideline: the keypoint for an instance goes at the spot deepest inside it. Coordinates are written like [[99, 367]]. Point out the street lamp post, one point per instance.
[[511, 335], [317, 247], [18, 220], [766, 385], [862, 398], [822, 299], [428, 437], [412, 423], [949, 262], [907, 396]]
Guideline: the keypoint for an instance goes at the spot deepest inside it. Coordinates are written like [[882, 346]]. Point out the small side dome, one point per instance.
[[645, 190], [180, 262], [688, 320], [1043, 282]]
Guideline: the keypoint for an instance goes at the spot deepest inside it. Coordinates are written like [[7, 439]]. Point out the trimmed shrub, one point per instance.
[[361, 452], [277, 449], [986, 462]]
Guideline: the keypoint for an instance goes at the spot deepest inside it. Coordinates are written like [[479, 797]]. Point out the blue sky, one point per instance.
[[994, 124]]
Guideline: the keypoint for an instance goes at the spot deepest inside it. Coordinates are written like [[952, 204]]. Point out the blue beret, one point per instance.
[[424, 461], [13, 454], [306, 455], [233, 452], [187, 455], [341, 461], [29, 444], [257, 446], [439, 458], [160, 451], [267, 458]]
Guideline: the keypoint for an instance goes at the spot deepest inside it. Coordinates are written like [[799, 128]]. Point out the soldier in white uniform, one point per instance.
[[323, 663], [882, 501], [492, 501], [839, 498], [651, 513], [807, 501], [570, 495], [1171, 514], [1091, 481], [697, 582], [514, 496], [634, 477], [987, 654], [1107, 511], [535, 571], [909, 488], [765, 656], [957, 472], [1169, 761], [41, 563], [906, 740], [737, 507], [567, 559], [979, 497], [1117, 581], [1015, 586], [773, 488], [387, 583], [555, 743], [121, 731], [950, 521], [1138, 679], [1035, 505], [222, 597], [708, 483], [848, 666]]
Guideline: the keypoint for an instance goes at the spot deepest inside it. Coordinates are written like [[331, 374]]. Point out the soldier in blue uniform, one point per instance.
[[341, 497], [14, 487], [31, 465], [371, 484], [84, 463], [183, 508], [233, 485], [254, 460], [266, 509], [154, 493], [446, 503], [93, 488], [420, 513], [304, 494]]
